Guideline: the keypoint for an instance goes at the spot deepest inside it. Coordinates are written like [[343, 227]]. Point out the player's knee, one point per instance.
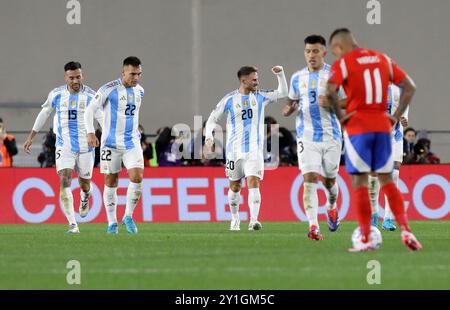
[[311, 177], [235, 186], [329, 183]]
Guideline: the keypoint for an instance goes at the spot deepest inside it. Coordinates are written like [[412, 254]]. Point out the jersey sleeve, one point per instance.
[[337, 74], [215, 116], [47, 109], [91, 111], [396, 73], [294, 90]]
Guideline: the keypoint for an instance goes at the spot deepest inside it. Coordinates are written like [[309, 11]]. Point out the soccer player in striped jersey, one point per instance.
[[394, 93], [120, 101], [72, 150], [318, 134], [244, 108]]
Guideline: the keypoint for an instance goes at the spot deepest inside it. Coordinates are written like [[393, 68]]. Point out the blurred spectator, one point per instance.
[[146, 146], [409, 137], [287, 154], [47, 157], [197, 151], [164, 143], [98, 134], [422, 153], [8, 147]]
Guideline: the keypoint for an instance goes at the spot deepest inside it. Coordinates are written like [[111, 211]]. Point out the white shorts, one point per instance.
[[82, 163], [111, 159], [319, 157], [250, 164], [397, 147]]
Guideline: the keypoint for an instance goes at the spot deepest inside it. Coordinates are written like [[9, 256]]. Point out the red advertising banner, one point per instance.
[[31, 195]]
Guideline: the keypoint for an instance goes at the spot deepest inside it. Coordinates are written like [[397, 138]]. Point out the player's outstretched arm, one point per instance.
[[408, 89], [42, 117], [282, 90]]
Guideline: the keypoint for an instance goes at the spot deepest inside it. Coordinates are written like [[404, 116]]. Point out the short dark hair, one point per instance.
[[246, 70], [132, 61], [72, 65], [339, 31], [408, 130], [314, 39]]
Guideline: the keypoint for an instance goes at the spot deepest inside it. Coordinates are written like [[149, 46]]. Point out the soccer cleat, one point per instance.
[[374, 220], [113, 229], [235, 224], [333, 219], [84, 207], [73, 229], [388, 225], [410, 241], [129, 224], [254, 225], [362, 247], [314, 233]]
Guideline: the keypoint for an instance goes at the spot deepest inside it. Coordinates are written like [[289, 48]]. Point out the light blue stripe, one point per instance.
[[73, 124], [336, 130], [398, 135], [56, 103], [114, 103], [260, 99], [89, 99], [301, 126], [229, 108], [295, 83], [247, 125], [314, 109], [128, 136]]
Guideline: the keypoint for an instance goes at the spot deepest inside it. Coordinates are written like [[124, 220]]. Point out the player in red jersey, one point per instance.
[[365, 75]]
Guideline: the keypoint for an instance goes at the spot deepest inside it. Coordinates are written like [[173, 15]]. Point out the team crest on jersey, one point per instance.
[[313, 84], [73, 104], [130, 97], [245, 103]]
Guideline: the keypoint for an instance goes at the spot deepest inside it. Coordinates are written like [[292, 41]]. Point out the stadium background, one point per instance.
[[191, 50]]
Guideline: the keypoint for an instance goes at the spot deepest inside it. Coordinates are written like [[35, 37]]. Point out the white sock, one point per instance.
[[254, 202], [66, 196], [387, 210], [133, 194], [332, 196], [110, 201], [233, 201], [85, 195], [311, 202], [374, 192]]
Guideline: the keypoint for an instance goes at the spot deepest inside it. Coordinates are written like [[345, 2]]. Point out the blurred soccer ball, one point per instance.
[[374, 237]]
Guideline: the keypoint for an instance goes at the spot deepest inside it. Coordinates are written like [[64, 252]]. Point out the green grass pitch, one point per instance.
[[209, 256]]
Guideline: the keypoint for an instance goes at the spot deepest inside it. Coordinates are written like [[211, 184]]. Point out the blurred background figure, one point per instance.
[[409, 138], [422, 153], [147, 147], [46, 158], [8, 147]]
